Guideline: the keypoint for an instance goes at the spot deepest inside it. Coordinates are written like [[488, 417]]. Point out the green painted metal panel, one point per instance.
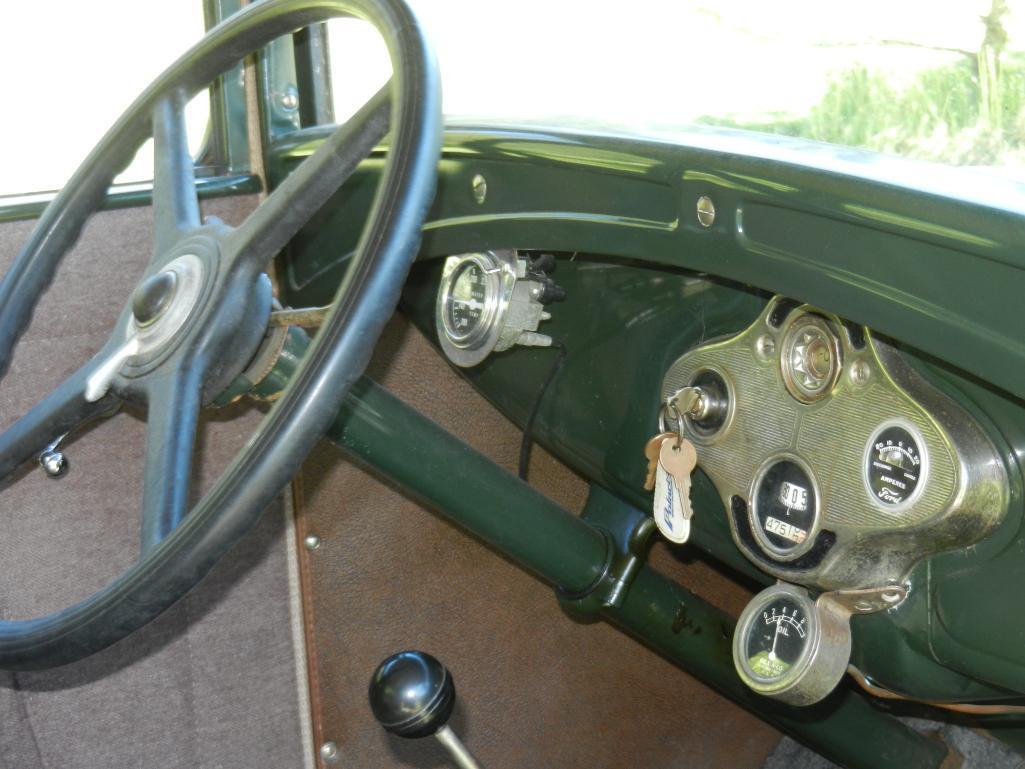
[[20, 207], [567, 551], [935, 266], [805, 225]]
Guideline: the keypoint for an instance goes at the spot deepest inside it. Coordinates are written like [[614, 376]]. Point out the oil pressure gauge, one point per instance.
[[490, 301], [791, 648]]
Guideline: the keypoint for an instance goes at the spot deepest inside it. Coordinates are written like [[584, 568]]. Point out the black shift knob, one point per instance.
[[412, 694]]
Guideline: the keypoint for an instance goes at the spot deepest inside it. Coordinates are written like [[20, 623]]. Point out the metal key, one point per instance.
[[686, 401], [673, 511], [651, 451]]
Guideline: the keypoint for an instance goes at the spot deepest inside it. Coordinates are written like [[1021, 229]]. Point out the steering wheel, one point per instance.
[[198, 316]]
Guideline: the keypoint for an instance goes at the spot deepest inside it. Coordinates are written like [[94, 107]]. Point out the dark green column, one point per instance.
[[568, 552]]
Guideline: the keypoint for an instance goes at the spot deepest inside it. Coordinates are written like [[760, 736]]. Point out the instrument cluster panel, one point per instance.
[[839, 466]]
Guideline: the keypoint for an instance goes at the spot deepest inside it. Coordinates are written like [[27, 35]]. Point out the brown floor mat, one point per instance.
[[536, 688]]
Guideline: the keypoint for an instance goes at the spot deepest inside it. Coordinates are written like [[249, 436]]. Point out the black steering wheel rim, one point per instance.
[[337, 356]]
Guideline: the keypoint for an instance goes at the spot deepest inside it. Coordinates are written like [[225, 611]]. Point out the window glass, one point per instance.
[[937, 81], [71, 68], [359, 65]]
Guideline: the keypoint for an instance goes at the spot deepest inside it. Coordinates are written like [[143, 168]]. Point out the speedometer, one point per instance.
[[785, 510], [491, 300], [471, 293]]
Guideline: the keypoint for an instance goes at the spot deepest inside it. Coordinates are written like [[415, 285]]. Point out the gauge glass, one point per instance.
[[777, 638], [786, 507], [467, 301], [810, 359], [789, 647], [895, 466]]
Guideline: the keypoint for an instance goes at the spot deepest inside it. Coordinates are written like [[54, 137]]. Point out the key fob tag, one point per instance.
[[668, 508]]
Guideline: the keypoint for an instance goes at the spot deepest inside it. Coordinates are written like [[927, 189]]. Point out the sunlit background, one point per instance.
[[71, 68], [938, 81]]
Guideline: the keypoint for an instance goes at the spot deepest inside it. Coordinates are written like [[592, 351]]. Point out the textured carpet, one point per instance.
[[212, 682], [978, 750], [536, 688]]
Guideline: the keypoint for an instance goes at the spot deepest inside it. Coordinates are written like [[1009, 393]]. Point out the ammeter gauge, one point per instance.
[[490, 301], [791, 648], [896, 466]]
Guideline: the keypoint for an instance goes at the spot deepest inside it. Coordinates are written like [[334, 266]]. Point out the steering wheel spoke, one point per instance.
[[185, 336], [173, 413], [64, 409], [308, 187], [175, 205]]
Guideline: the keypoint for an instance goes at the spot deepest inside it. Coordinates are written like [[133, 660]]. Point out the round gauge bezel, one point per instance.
[[704, 437], [752, 612], [787, 341], [492, 301], [923, 453], [763, 541]]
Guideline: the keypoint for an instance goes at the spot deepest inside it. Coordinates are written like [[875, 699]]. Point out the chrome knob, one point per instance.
[[54, 463]]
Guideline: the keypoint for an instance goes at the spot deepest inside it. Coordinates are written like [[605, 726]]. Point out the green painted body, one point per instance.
[[574, 554], [939, 270], [20, 207]]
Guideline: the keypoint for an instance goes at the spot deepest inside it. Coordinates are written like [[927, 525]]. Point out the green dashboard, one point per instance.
[[871, 242]]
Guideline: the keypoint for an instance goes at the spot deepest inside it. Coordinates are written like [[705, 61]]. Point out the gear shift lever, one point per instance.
[[412, 695]]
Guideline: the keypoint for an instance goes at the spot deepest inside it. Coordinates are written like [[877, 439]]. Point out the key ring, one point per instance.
[[664, 417]]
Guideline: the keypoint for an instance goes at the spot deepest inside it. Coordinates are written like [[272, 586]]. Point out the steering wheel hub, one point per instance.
[[163, 303], [152, 297]]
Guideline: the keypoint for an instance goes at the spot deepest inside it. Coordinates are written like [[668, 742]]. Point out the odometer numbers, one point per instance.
[[786, 508]]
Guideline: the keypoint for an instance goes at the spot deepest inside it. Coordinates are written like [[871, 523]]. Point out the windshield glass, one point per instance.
[[935, 81], [70, 72]]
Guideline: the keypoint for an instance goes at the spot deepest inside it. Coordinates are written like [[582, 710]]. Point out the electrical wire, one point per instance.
[[993, 709], [528, 427]]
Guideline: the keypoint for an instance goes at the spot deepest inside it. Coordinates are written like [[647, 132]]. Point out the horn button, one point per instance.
[[153, 296], [162, 304]]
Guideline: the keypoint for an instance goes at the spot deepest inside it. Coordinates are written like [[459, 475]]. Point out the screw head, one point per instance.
[[480, 189], [329, 753], [290, 99], [706, 211], [312, 542], [860, 372], [765, 347], [54, 463]]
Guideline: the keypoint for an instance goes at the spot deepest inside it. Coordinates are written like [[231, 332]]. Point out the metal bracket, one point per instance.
[[625, 555], [279, 341], [866, 600]]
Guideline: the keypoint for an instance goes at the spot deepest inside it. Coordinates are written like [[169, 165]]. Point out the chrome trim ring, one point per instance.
[[799, 549], [800, 358], [923, 473]]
